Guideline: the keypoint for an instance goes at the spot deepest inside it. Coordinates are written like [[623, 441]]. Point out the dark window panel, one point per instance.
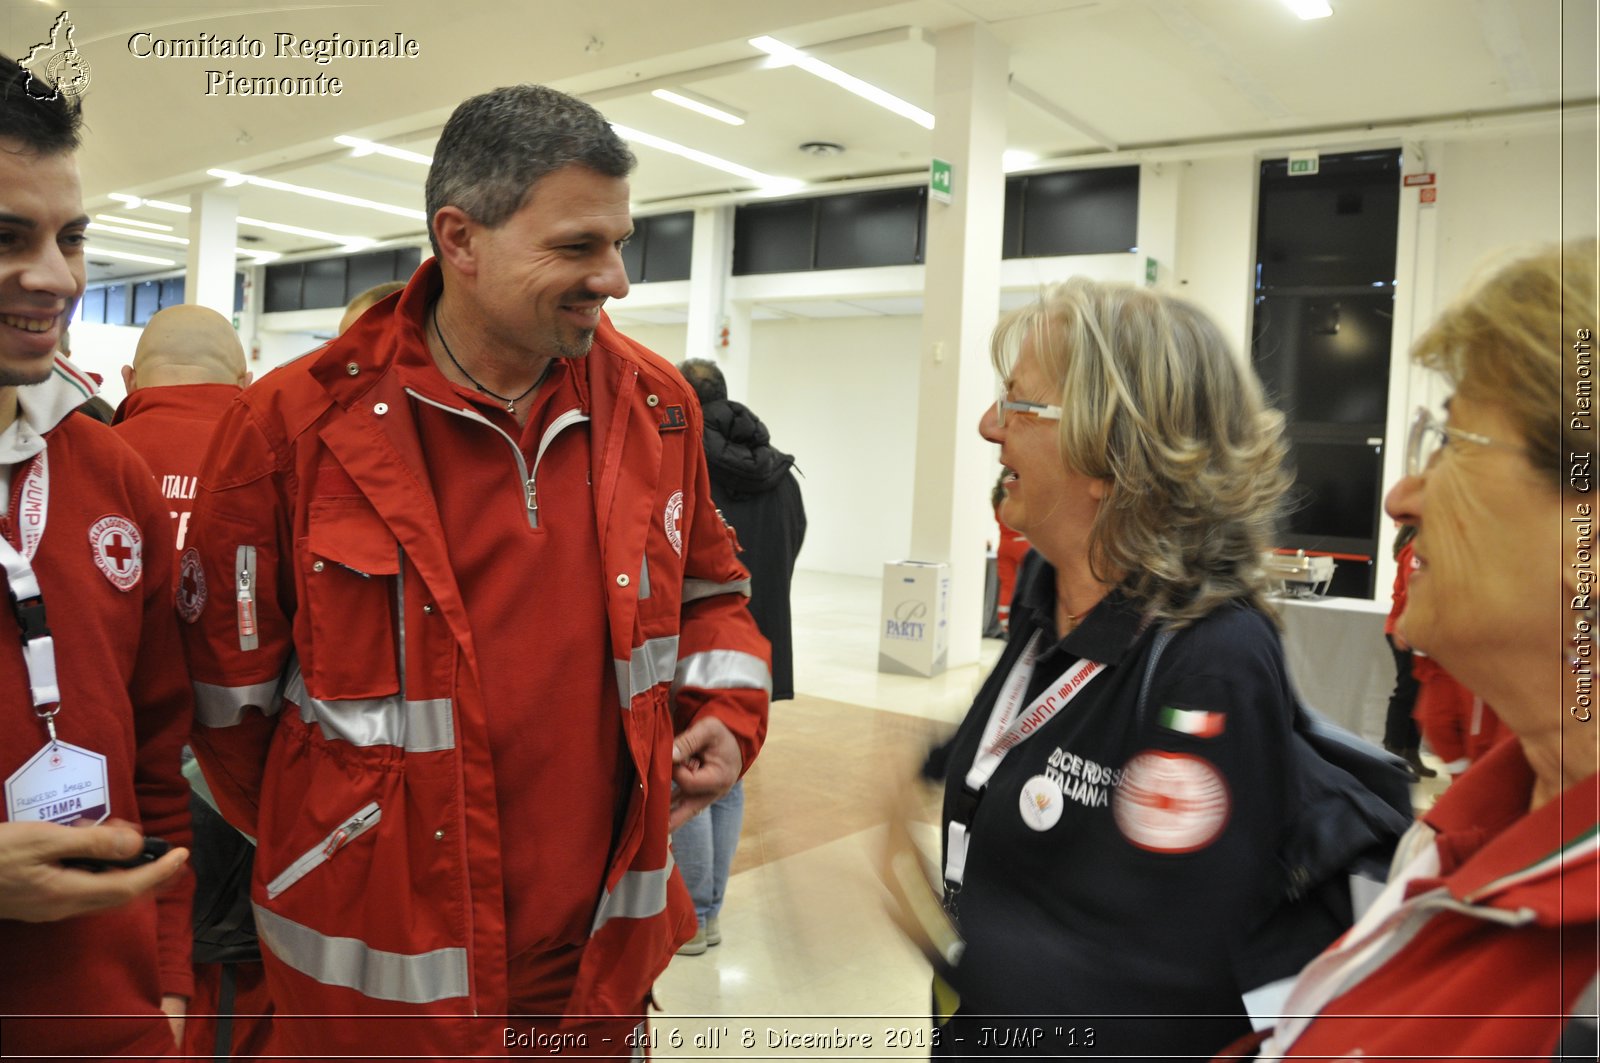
[[146, 301], [324, 284], [774, 237], [366, 271], [870, 229], [669, 250], [283, 287], [1334, 227], [1080, 212], [94, 306], [633, 251], [171, 292], [1324, 358], [1015, 217], [238, 293], [117, 304]]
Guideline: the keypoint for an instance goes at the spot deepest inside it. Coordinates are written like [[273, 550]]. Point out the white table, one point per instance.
[[1338, 659]]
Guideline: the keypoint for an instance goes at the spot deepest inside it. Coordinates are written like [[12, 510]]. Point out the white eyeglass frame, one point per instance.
[[1419, 456], [1041, 410]]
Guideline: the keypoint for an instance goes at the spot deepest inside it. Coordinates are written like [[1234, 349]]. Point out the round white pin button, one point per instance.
[[1041, 802]]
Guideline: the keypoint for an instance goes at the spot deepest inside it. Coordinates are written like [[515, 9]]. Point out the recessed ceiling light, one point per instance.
[[138, 234], [790, 56], [700, 105], [1309, 9], [822, 149], [777, 185], [103, 252], [232, 179], [354, 243]]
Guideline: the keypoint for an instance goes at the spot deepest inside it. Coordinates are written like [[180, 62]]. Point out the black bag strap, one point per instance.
[[1163, 637]]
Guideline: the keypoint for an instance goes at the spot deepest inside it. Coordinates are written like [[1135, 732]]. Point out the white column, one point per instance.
[[1160, 185], [710, 267], [213, 234], [950, 517]]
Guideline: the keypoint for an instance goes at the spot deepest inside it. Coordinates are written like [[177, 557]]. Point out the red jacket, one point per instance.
[[1490, 951], [124, 695], [168, 427], [339, 717]]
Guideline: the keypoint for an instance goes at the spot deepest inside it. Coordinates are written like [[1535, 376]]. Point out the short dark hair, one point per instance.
[[43, 121], [497, 145], [706, 379]]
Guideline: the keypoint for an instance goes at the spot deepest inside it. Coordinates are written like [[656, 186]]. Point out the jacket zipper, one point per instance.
[[530, 494], [244, 574], [323, 851]]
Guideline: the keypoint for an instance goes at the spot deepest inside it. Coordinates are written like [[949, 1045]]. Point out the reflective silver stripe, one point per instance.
[[639, 895], [420, 978], [220, 706], [723, 670], [650, 664], [417, 726], [695, 589], [644, 579]]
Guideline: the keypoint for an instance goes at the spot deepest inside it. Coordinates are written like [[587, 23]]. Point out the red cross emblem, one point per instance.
[[191, 585], [118, 550]]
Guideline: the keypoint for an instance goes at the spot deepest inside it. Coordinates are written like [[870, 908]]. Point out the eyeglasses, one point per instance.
[[1003, 405], [1428, 435]]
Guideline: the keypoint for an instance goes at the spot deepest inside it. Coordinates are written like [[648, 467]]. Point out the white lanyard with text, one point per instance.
[[27, 600], [1008, 729]]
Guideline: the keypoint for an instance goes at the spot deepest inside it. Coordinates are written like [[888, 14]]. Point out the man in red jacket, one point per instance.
[[187, 368], [473, 634], [95, 701]]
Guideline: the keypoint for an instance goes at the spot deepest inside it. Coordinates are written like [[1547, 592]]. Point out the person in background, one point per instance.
[[477, 639], [1400, 734], [1483, 944], [187, 368], [366, 301], [97, 702], [1008, 556], [754, 487], [1108, 850]]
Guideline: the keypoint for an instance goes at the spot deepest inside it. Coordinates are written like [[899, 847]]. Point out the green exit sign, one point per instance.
[[1303, 164], [941, 180]]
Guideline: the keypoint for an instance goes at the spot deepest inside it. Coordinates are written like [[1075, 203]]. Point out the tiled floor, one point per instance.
[[808, 947]]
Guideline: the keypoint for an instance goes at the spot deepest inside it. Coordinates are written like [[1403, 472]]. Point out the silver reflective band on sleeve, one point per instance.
[[639, 895], [419, 978], [415, 726], [220, 706], [695, 589], [723, 670], [650, 664]]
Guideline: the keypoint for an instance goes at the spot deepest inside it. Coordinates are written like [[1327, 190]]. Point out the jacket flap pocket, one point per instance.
[[349, 532]]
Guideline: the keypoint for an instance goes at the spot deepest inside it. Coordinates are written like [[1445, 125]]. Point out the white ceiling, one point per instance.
[[1089, 77]]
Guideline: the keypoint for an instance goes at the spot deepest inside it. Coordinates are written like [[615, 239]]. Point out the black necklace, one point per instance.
[[511, 404]]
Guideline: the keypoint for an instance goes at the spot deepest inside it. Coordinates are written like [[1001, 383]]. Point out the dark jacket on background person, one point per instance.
[[753, 484]]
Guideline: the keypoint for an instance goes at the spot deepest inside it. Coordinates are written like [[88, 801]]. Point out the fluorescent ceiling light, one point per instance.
[[135, 202], [1016, 159], [700, 105], [789, 56], [768, 183], [359, 147], [114, 220], [163, 238], [1309, 9], [98, 252], [138, 234], [232, 179], [353, 242]]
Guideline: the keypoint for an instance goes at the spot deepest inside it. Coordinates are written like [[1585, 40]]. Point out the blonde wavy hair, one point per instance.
[[1157, 404], [1508, 340]]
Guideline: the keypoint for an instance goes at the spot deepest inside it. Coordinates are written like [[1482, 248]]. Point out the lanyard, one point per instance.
[[1007, 729], [27, 600]]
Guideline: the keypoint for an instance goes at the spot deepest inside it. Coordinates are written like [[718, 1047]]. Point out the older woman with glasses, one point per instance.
[[1484, 942], [1110, 830]]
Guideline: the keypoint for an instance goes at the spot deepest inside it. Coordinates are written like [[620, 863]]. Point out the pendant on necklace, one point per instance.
[[511, 406]]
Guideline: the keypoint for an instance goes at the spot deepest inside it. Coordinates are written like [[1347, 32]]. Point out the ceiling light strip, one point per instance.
[[700, 105], [234, 179], [790, 56], [359, 147], [766, 181]]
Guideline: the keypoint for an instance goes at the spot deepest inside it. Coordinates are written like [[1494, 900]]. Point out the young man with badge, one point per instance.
[[95, 704]]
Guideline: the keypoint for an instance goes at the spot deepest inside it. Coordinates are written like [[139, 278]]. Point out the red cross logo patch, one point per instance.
[[191, 586], [118, 550]]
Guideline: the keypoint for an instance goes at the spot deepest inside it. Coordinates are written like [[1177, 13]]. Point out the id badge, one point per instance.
[[62, 783]]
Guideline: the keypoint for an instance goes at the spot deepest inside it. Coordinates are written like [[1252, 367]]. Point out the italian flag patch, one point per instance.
[[1195, 722]]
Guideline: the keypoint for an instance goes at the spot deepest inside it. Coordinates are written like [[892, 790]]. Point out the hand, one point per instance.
[[705, 765], [176, 1008], [35, 888]]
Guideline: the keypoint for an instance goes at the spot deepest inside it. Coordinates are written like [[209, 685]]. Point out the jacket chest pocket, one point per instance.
[[351, 564]]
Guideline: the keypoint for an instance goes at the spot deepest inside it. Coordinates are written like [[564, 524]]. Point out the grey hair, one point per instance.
[[496, 146], [1156, 403]]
